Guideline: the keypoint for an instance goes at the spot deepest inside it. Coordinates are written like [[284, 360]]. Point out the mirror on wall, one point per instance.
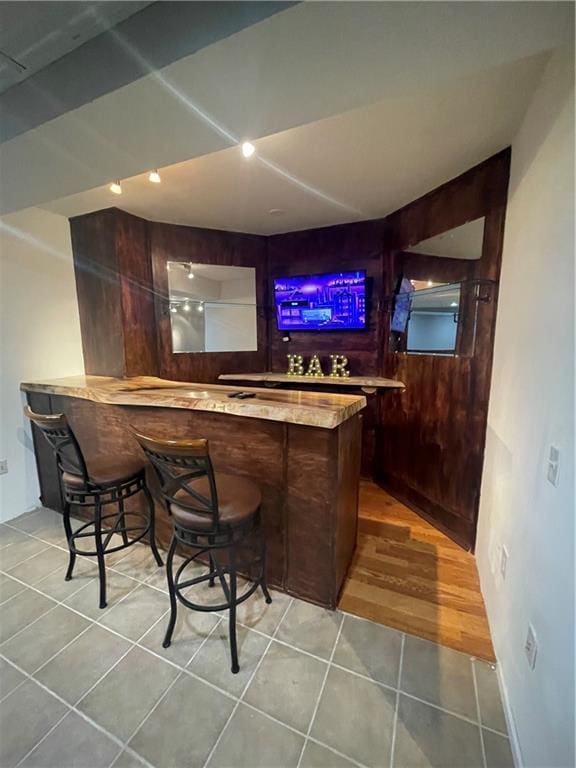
[[435, 305], [433, 322], [212, 307]]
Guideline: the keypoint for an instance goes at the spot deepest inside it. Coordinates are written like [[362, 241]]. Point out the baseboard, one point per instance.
[[510, 722]]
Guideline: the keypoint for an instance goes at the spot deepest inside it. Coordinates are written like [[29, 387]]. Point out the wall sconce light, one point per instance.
[[154, 177], [116, 187]]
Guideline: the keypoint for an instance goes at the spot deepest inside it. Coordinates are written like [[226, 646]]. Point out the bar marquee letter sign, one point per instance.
[[338, 366]]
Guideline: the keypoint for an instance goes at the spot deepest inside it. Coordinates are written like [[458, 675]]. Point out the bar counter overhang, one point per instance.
[[302, 448]]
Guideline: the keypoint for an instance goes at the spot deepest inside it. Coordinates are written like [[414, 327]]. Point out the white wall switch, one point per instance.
[[531, 646], [553, 471], [3, 466]]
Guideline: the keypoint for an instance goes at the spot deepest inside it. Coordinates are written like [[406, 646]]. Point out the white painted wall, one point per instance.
[[532, 406], [39, 336]]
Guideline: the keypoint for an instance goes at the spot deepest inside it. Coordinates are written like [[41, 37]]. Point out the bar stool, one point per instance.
[[108, 480], [214, 513]]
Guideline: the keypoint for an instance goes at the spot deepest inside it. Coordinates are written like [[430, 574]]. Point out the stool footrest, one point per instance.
[[215, 606], [82, 533]]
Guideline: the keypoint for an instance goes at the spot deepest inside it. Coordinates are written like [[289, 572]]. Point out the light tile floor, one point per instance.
[[80, 687]]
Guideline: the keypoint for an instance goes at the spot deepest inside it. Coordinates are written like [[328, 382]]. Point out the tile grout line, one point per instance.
[[74, 707], [70, 608], [172, 684], [59, 698], [125, 747], [352, 760], [206, 682], [17, 565], [152, 586], [145, 581], [223, 691], [89, 558], [248, 682], [478, 712], [417, 637], [317, 705], [27, 626], [2, 602], [397, 703]]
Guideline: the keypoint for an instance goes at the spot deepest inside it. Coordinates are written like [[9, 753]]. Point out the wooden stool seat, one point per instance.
[[215, 514], [238, 500], [110, 480], [105, 471]]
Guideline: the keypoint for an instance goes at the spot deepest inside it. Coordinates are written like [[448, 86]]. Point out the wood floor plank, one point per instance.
[[408, 575]]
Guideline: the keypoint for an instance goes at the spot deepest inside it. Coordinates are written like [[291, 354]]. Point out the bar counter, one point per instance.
[[315, 409], [302, 448]]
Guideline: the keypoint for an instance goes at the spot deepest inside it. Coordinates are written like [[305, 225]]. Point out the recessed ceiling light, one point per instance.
[[200, 307], [154, 177], [186, 307], [276, 211], [116, 188], [248, 149]]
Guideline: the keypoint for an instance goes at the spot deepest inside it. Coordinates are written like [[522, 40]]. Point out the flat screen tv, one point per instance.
[[402, 305], [335, 301]]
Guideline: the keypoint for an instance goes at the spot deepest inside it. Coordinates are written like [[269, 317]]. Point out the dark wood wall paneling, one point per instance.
[[344, 247], [429, 439], [427, 443], [115, 293], [431, 443]]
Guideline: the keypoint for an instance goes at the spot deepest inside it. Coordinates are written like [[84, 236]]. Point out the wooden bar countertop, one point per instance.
[[368, 383], [316, 409]]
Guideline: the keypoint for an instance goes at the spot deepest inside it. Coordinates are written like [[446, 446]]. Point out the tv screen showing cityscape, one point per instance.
[[335, 301]]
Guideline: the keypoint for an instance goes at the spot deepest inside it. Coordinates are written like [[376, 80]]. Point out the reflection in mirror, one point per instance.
[[435, 305], [212, 307], [433, 320]]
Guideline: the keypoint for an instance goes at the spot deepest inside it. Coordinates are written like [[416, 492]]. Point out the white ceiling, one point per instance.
[[463, 242], [417, 60], [359, 165], [34, 34]]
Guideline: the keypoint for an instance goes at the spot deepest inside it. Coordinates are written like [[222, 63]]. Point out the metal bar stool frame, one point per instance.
[[70, 459], [176, 464]]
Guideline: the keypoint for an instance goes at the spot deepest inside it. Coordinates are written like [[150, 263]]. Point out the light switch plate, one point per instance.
[[531, 646], [553, 471], [503, 561]]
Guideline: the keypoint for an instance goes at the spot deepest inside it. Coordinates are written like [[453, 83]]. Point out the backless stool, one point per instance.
[[213, 512], [108, 480]]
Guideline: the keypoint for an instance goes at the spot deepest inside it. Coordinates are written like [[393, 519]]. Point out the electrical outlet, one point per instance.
[[3, 466], [553, 471], [503, 561], [531, 646]]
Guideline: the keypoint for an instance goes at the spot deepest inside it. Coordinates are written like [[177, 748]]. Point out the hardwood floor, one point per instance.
[[408, 575]]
